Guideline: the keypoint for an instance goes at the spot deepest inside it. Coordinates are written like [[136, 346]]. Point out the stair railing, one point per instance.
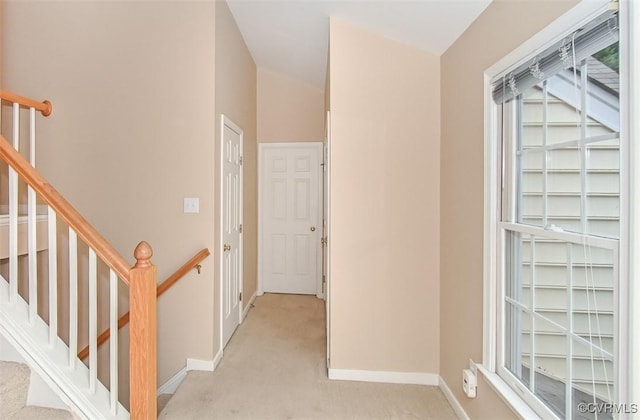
[[40, 339], [194, 262]]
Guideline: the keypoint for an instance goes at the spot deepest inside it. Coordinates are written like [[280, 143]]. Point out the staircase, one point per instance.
[[54, 270]]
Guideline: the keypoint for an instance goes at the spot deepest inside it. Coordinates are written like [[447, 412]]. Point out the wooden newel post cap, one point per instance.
[[142, 254]]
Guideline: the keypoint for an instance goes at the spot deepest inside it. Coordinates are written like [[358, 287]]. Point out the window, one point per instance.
[[558, 307]]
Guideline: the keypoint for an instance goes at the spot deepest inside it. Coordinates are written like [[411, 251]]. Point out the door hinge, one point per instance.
[[240, 160], [323, 241], [240, 229], [324, 278], [240, 298]]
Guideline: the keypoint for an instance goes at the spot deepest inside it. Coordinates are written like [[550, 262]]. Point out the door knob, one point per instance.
[[313, 228], [227, 247]]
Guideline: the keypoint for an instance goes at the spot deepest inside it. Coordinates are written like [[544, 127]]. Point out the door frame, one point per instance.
[[284, 145], [226, 121], [326, 229]]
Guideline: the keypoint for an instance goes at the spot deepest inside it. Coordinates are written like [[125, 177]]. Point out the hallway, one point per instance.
[[274, 368]]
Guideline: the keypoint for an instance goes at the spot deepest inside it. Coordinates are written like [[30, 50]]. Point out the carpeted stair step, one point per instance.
[[14, 387], [163, 399]]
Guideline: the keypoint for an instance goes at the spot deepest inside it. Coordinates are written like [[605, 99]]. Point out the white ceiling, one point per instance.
[[292, 36]]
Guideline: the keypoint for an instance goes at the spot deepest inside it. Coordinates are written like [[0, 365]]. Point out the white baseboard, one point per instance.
[[409, 378], [247, 307], [197, 364], [455, 404], [172, 384], [216, 359]]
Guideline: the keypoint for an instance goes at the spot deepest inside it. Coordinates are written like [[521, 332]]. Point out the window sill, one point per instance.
[[508, 395]]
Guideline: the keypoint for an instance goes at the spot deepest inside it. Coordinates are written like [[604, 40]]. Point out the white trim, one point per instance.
[[453, 401], [197, 364], [327, 234], [217, 358], [490, 266], [40, 394], [407, 378], [630, 236], [218, 227], [508, 395], [248, 306], [259, 290], [173, 383], [572, 238], [623, 301]]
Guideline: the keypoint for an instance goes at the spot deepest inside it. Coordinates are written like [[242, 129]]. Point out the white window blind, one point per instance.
[[573, 49]]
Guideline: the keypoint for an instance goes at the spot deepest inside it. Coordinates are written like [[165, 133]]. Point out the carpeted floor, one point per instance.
[[274, 368]]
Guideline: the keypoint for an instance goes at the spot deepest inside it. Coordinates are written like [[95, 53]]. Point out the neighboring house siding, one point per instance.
[[593, 271]]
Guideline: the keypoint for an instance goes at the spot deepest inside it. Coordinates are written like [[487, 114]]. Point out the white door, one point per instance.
[[290, 218], [231, 227]]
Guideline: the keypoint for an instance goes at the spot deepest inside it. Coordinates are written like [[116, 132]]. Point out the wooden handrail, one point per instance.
[[65, 210], [194, 262], [44, 107], [180, 272]]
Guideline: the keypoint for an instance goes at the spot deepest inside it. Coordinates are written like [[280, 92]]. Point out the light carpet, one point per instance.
[[14, 387], [274, 367]]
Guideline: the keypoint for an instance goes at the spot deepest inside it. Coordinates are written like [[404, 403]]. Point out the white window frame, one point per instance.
[[629, 345]]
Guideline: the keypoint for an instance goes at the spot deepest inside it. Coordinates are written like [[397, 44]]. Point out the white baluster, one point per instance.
[[93, 320], [13, 211], [31, 223], [113, 339], [32, 136], [53, 275], [16, 126], [73, 298]]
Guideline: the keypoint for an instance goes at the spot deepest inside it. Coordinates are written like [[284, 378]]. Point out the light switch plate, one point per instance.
[[192, 205]]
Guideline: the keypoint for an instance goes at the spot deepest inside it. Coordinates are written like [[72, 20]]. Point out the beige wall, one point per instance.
[[236, 92], [289, 110], [494, 34], [385, 139], [132, 133]]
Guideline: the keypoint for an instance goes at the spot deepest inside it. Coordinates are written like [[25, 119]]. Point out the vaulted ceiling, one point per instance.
[[292, 36]]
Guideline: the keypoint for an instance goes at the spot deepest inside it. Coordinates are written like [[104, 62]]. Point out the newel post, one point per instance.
[[142, 332]]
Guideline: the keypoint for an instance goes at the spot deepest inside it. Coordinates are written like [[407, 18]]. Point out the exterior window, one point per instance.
[[558, 234]]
